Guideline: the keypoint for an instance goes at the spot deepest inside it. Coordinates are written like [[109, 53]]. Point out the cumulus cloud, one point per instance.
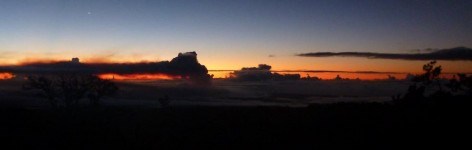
[[458, 53]]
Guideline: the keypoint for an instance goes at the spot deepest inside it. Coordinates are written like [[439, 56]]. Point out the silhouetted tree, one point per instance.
[[70, 88], [308, 77], [338, 77], [73, 87], [464, 83], [45, 85], [416, 91], [455, 88], [430, 75], [100, 88], [390, 77]]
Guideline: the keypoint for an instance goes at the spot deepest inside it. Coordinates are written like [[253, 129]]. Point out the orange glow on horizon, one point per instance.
[[6, 75], [361, 76], [235, 62], [155, 76], [344, 75]]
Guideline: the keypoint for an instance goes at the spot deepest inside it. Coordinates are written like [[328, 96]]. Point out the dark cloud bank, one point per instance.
[[458, 53], [261, 73], [185, 65]]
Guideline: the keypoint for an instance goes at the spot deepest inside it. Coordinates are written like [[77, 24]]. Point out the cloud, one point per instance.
[[261, 73], [185, 65], [458, 53], [427, 50]]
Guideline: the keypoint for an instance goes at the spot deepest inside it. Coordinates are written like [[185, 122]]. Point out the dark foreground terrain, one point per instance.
[[343, 124]]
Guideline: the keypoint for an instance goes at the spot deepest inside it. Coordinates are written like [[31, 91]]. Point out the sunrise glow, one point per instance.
[[6, 75], [155, 76]]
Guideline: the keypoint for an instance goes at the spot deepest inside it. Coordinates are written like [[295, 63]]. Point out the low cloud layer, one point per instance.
[[185, 65], [261, 73], [458, 53]]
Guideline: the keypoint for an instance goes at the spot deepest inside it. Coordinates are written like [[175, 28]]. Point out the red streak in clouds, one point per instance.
[[153, 76], [6, 75]]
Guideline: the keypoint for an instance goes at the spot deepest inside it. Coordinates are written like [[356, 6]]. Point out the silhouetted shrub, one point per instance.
[[415, 94], [391, 78], [430, 79], [308, 77], [339, 78], [430, 75], [68, 89], [463, 84], [100, 88], [46, 86]]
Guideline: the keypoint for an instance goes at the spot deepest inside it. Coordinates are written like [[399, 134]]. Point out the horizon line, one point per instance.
[[339, 71]]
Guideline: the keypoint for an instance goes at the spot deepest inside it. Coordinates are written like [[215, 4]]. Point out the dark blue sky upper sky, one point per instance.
[[229, 27]]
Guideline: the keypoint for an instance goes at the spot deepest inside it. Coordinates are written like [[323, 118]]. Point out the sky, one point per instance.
[[230, 34]]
